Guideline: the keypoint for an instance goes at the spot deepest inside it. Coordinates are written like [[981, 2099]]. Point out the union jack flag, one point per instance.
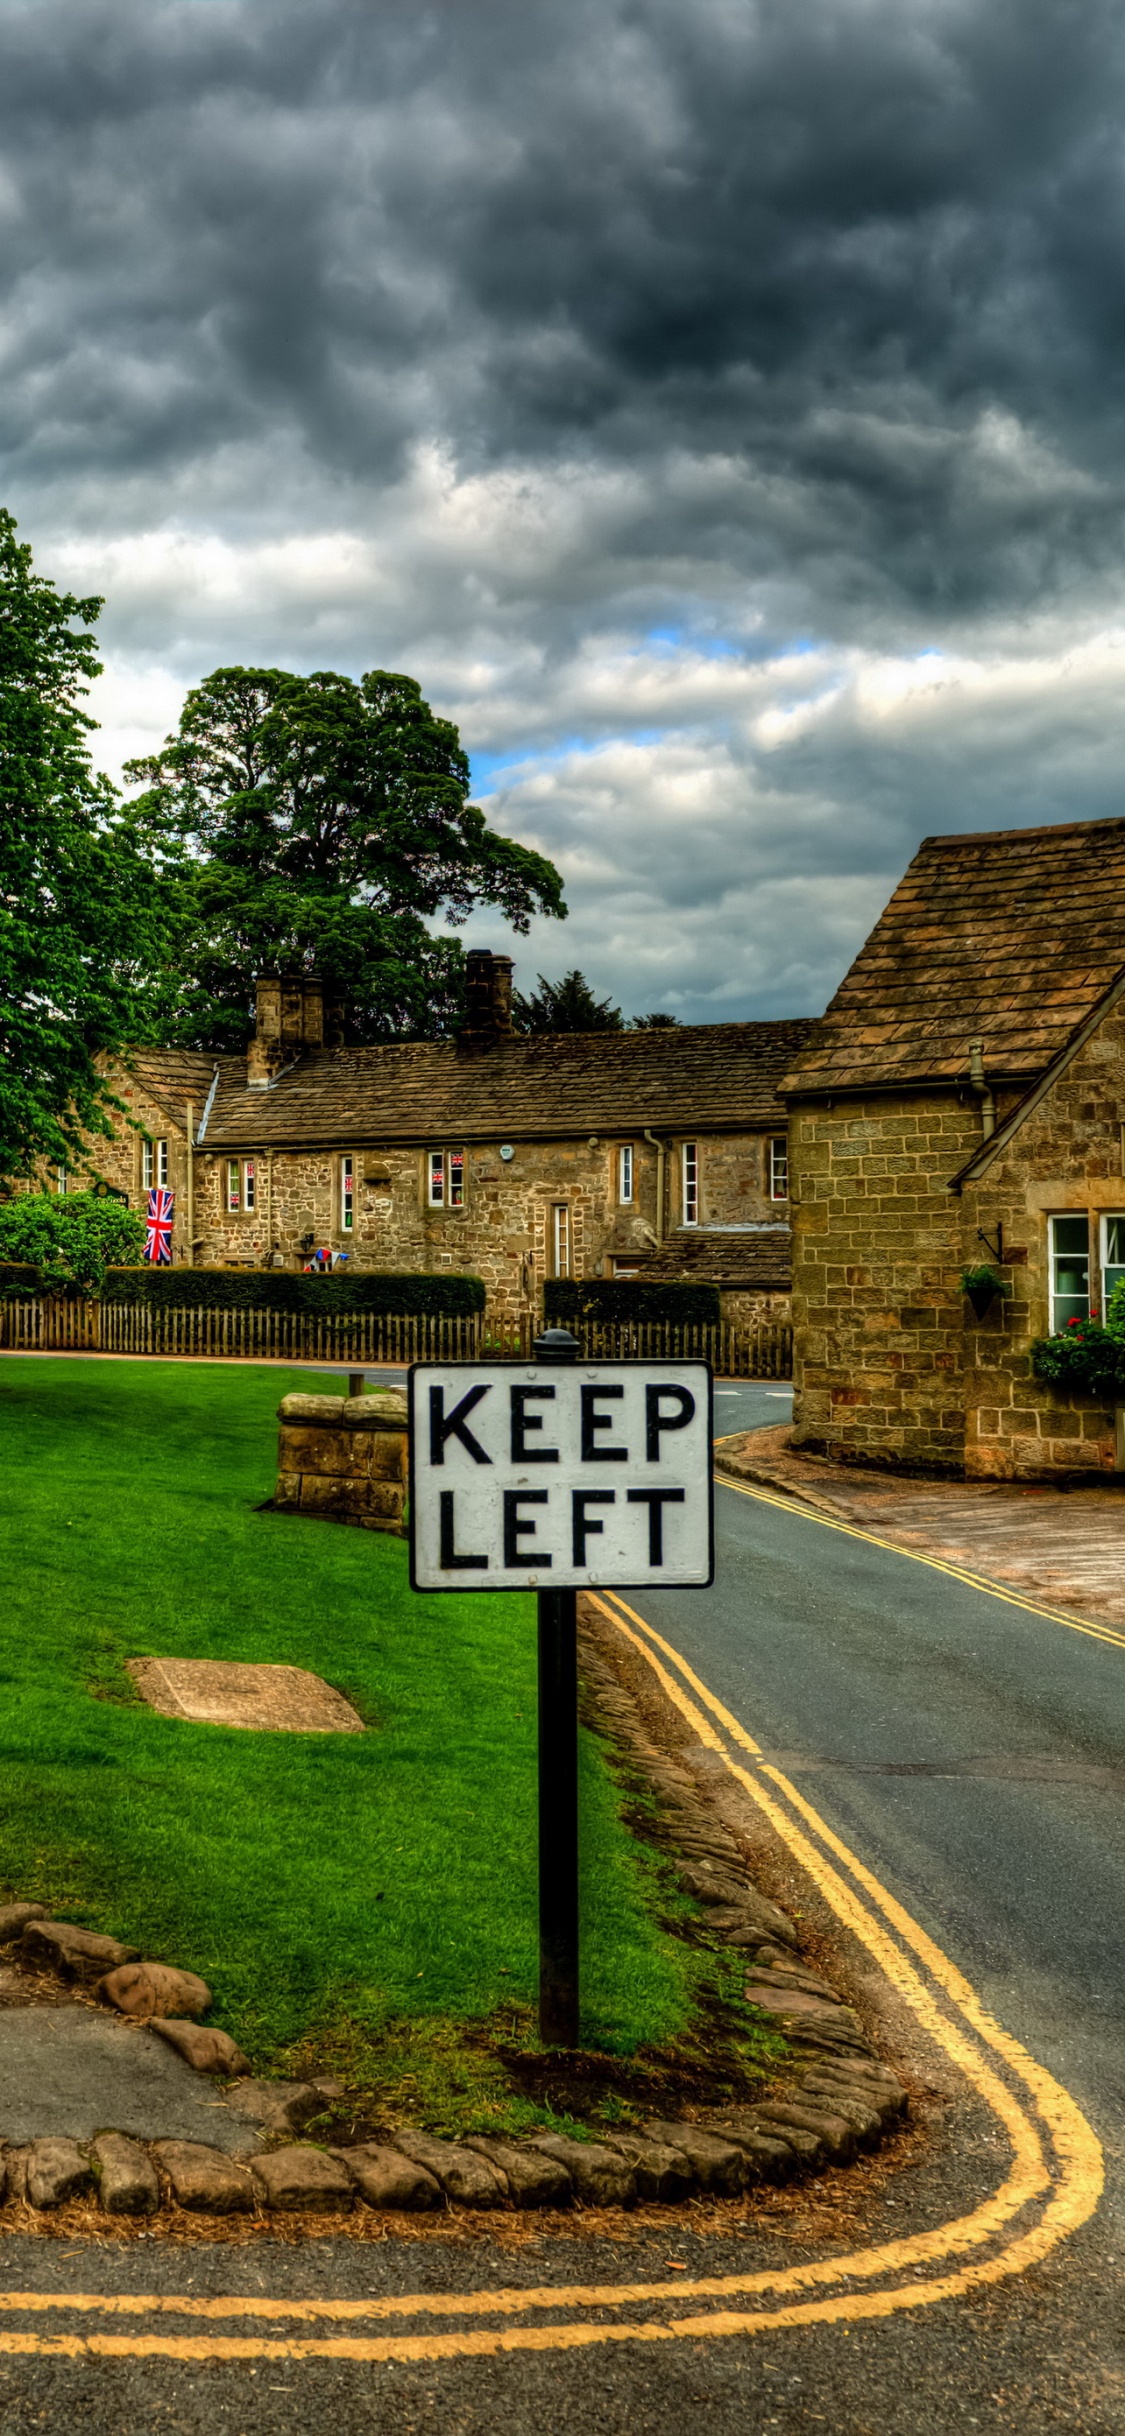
[[158, 1241]]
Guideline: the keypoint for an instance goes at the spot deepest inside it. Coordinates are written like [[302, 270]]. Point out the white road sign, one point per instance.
[[559, 1476]]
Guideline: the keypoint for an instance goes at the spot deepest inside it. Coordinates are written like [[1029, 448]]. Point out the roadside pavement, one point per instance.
[[1063, 1546]]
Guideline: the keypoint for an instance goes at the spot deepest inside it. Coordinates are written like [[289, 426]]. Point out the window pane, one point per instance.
[[437, 1178], [625, 1172], [1070, 1271], [347, 1195], [234, 1194], [691, 1184], [146, 1164], [561, 1215], [456, 1179], [779, 1169], [162, 1162], [1113, 1257], [248, 1185]]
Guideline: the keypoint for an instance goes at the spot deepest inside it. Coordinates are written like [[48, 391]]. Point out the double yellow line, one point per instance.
[[1051, 2187], [918, 1556]]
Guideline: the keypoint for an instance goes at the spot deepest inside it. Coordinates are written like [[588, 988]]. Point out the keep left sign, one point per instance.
[[560, 1476]]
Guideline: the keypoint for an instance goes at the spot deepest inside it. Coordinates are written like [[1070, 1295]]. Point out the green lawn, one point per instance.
[[360, 1894]]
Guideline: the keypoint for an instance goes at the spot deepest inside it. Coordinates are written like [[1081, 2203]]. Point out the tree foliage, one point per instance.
[[82, 916], [314, 823], [568, 1005], [69, 1239]]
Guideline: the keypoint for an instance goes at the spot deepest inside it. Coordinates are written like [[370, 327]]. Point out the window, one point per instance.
[[154, 1162], [347, 1195], [234, 1185], [689, 1157], [1113, 1257], [60, 1179], [779, 1168], [560, 1239], [625, 1172], [1070, 1270], [445, 1171]]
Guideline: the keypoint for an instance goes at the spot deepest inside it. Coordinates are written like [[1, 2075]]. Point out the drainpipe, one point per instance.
[[191, 1185], [979, 1084], [661, 1154]]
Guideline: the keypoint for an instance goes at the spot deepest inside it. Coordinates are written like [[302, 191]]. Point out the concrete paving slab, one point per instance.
[[68, 2071], [264, 1699]]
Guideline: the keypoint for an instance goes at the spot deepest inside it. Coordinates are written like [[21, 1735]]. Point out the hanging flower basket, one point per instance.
[[982, 1287]]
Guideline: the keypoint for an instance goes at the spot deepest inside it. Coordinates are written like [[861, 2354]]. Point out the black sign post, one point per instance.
[[578, 1472], [558, 1785]]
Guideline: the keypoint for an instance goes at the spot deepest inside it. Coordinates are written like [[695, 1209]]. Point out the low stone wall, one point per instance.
[[344, 1458]]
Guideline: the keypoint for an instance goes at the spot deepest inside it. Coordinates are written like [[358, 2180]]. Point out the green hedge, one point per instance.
[[278, 1290], [566, 1299]]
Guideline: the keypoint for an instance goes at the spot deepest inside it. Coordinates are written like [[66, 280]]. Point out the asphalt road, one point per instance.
[[973, 1755]]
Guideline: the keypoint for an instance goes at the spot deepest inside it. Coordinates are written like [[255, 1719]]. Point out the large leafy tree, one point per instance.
[[82, 916], [317, 823]]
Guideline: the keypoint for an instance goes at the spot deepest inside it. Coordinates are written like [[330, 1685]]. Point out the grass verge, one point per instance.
[[365, 1902]]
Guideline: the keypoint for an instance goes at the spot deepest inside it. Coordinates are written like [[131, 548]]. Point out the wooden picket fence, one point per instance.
[[67, 1324]]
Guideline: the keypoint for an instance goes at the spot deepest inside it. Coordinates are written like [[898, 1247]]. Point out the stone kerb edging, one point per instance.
[[344, 1458]]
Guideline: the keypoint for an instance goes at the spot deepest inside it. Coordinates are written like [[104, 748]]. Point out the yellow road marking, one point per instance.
[[937, 1564], [1056, 2161]]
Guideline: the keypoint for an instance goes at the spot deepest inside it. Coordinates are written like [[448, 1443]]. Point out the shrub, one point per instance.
[[278, 1290], [615, 1299], [68, 1239], [286, 1290], [1083, 1356]]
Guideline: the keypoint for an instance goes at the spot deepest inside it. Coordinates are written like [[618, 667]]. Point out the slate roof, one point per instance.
[[1014, 935], [758, 1257], [704, 1078]]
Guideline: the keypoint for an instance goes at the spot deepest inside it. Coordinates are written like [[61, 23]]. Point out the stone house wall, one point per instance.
[[1065, 1157], [504, 1232], [877, 1248]]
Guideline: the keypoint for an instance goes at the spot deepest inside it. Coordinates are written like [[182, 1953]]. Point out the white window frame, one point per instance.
[[560, 1239], [1108, 1218], [779, 1167], [233, 1188], [689, 1184], [1059, 1318], [60, 1179], [625, 1172], [347, 1193], [446, 1174], [249, 1187], [154, 1161]]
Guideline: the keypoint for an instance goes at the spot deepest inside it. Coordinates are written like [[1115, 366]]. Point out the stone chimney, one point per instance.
[[288, 1024], [488, 997]]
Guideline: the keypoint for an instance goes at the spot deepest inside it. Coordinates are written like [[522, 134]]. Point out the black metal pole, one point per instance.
[[558, 1785]]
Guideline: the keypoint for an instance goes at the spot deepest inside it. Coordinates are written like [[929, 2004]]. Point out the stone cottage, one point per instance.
[[582, 1154], [963, 1104]]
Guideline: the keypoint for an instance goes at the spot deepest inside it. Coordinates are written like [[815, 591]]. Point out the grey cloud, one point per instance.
[[485, 339]]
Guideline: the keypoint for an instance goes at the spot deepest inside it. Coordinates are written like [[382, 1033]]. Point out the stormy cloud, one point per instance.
[[719, 407]]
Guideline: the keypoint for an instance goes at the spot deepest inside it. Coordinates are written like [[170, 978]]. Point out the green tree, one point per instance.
[[654, 1023], [69, 1238], [319, 824], [82, 915], [568, 1005]]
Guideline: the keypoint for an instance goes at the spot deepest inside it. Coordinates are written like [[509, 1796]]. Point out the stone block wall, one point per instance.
[[1066, 1158], [344, 1458], [877, 1248], [503, 1233]]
